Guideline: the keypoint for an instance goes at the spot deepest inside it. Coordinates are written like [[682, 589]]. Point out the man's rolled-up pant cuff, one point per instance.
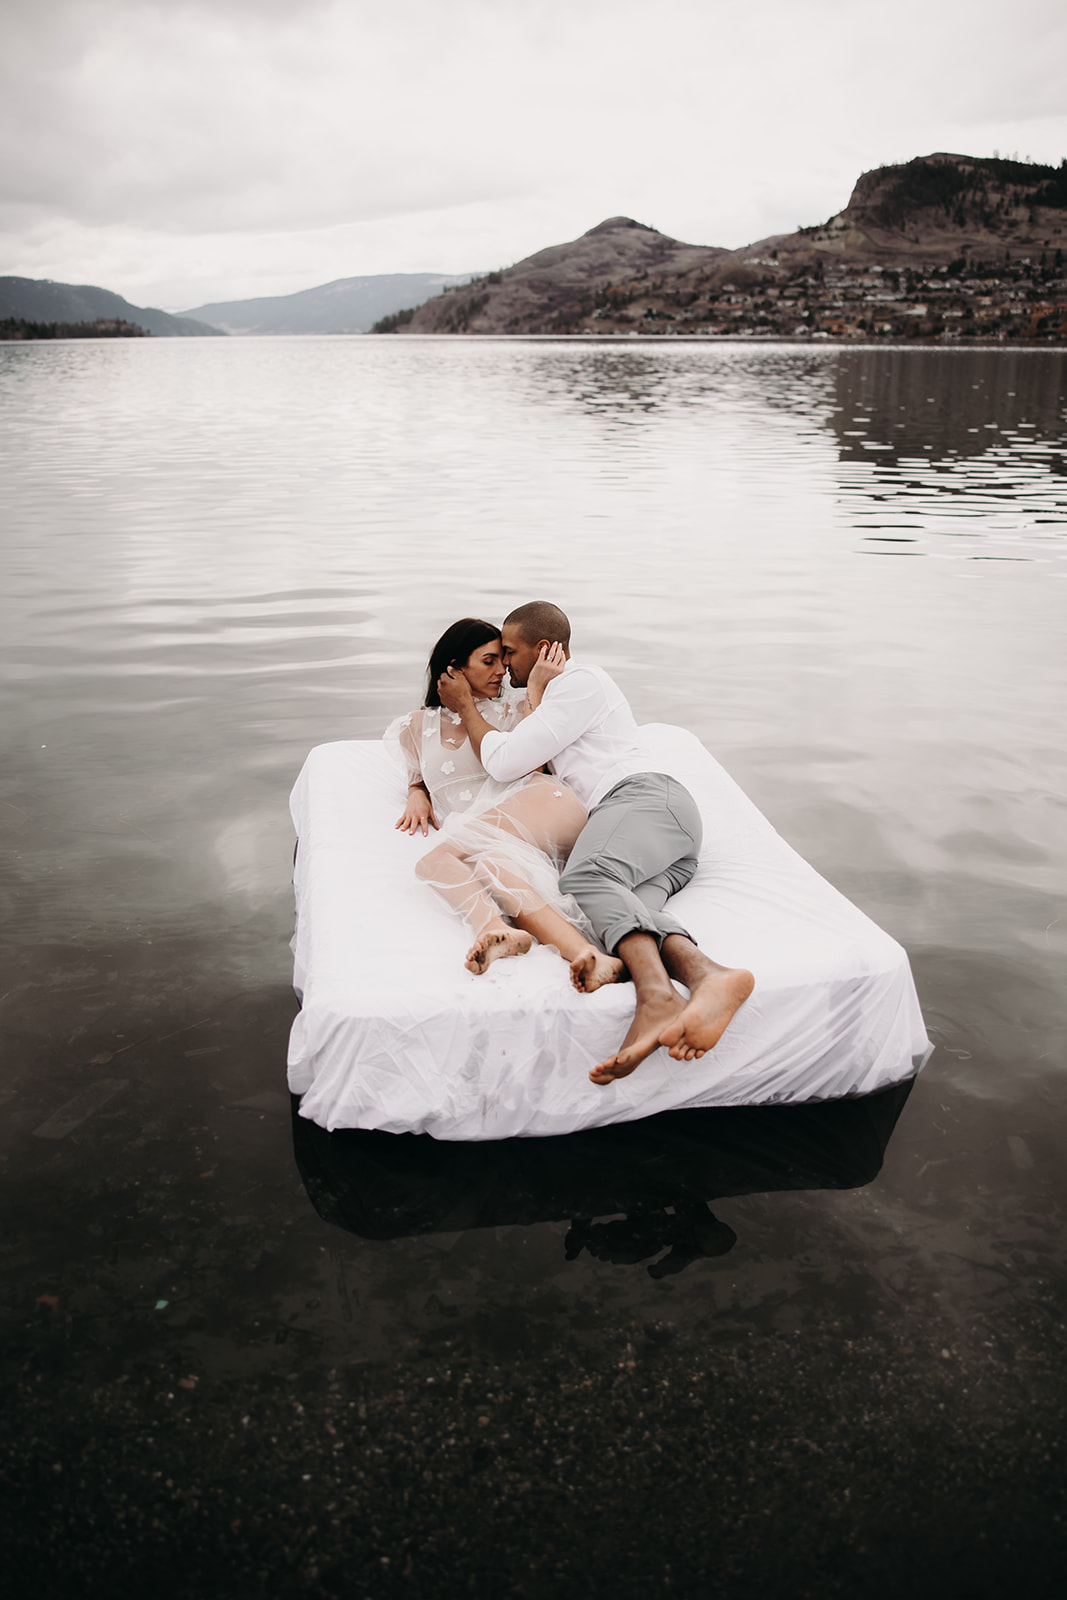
[[658, 928]]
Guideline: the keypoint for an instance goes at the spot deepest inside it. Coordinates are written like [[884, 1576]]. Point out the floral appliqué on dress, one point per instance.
[[448, 766]]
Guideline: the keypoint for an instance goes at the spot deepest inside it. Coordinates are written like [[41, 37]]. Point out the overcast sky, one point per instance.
[[181, 151]]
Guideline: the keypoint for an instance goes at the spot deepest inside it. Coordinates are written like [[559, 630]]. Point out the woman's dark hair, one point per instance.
[[454, 649]]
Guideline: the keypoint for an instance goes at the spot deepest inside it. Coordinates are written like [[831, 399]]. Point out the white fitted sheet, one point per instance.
[[394, 1034]]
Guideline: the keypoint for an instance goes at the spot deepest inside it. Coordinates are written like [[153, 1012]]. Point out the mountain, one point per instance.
[[41, 300], [937, 208], [924, 225], [561, 289], [348, 305]]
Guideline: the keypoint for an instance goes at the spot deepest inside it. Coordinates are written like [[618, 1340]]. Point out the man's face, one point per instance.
[[519, 657]]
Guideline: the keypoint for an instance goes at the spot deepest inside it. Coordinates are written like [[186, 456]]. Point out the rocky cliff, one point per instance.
[[940, 207]]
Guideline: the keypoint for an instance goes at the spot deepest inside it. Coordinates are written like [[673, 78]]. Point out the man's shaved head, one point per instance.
[[540, 619]]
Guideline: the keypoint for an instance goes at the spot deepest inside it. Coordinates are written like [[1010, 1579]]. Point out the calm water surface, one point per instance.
[[843, 569]]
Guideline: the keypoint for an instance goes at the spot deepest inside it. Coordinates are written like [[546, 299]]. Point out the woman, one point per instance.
[[502, 844]]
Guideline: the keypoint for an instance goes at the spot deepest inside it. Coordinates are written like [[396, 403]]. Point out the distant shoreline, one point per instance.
[[620, 340], [762, 340], [31, 330]]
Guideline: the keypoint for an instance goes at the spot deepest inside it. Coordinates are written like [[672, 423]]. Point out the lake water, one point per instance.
[[844, 570]]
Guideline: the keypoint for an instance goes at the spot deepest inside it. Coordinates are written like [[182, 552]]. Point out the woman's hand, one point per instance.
[[418, 814], [549, 664]]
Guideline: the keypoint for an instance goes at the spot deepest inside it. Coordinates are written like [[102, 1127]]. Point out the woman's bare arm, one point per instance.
[[418, 814]]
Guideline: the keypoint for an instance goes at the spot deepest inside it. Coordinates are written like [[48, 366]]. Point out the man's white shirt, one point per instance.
[[583, 728]]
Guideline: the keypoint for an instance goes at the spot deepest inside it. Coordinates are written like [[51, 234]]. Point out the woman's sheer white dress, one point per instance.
[[507, 841]]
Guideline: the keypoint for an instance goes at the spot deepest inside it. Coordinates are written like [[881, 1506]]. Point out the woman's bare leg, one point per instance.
[[590, 967], [550, 816], [455, 880]]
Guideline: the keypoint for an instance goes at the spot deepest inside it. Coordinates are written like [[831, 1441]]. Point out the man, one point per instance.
[[638, 848]]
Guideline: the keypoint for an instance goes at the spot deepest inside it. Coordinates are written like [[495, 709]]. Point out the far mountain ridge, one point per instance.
[[347, 305], [917, 218], [41, 300]]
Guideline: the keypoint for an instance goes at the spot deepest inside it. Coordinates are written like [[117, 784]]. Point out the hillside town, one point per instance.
[[1021, 299]]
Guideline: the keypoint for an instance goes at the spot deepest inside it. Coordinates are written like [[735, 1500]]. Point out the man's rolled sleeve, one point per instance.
[[494, 745], [569, 707], [509, 756]]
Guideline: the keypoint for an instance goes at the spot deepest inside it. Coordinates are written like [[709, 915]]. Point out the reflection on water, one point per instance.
[[661, 1172], [932, 444], [955, 455], [951, 403]]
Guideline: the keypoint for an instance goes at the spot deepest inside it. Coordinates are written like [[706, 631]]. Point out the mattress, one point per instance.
[[394, 1034]]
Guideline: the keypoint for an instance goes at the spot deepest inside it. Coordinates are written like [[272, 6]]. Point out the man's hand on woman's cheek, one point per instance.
[[455, 691]]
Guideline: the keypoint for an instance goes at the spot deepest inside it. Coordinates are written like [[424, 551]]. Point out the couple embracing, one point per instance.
[[554, 829]]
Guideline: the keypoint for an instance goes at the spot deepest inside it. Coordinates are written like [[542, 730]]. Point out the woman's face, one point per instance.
[[485, 670]]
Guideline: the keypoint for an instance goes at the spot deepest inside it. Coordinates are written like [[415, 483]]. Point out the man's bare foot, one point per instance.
[[493, 942], [593, 969], [702, 1023], [651, 1018]]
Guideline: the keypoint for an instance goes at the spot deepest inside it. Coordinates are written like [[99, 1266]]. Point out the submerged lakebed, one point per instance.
[[843, 570]]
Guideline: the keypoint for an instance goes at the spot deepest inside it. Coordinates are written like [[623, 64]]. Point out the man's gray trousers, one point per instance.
[[638, 848]]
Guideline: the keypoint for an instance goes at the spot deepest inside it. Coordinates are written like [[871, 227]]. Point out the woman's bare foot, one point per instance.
[[702, 1023], [651, 1018], [592, 969], [494, 941]]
